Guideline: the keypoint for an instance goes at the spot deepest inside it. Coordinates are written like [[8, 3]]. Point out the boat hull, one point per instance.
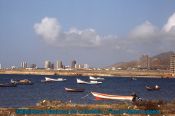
[[74, 90], [111, 97]]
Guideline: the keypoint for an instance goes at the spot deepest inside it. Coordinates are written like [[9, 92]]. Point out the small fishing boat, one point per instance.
[[47, 79], [22, 82], [74, 89], [133, 78], [100, 96], [79, 81], [95, 78], [152, 88], [7, 85]]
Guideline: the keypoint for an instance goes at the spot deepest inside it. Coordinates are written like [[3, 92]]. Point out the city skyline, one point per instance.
[[98, 33]]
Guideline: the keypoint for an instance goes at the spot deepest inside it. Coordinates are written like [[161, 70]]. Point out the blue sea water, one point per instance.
[[29, 95]]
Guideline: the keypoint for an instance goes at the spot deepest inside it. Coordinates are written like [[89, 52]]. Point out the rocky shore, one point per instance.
[[54, 107], [120, 73]]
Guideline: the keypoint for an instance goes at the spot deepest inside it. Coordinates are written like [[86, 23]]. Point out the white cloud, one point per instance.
[[144, 38], [170, 25], [49, 29], [145, 29]]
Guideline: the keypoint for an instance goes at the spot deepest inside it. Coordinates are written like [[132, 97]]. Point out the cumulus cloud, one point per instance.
[[170, 25], [144, 38], [50, 30]]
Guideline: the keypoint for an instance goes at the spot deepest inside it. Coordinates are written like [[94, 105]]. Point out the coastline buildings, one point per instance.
[[73, 63], [172, 64], [23, 64], [59, 65], [144, 62], [47, 64]]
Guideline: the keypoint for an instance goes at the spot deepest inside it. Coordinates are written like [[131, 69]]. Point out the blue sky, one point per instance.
[[97, 32]]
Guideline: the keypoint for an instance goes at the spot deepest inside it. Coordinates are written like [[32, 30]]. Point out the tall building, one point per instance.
[[144, 62], [23, 64], [59, 65], [47, 64], [73, 64], [0, 66], [172, 64]]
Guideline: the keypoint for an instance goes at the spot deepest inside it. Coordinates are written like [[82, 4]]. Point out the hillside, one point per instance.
[[160, 61]]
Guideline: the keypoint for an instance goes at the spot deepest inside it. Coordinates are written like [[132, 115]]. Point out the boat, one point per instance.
[[95, 78], [79, 81], [22, 82], [100, 96], [47, 79], [7, 85], [152, 88], [74, 89], [133, 78]]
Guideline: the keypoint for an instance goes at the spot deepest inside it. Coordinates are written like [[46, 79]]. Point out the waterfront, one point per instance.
[[29, 95]]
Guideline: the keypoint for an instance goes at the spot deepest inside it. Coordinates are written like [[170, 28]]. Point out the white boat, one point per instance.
[[79, 81], [47, 79], [111, 97], [95, 78]]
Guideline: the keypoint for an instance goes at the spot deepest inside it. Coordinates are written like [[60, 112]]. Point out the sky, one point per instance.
[[94, 32]]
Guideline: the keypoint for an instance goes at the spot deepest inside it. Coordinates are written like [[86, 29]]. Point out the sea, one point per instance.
[[29, 95]]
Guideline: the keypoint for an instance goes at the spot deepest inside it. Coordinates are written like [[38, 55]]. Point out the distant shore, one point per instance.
[[108, 73]]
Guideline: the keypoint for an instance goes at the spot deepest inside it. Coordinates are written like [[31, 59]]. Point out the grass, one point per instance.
[[162, 106]]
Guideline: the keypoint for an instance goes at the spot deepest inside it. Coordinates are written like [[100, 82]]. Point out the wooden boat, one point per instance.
[[22, 82], [95, 78], [79, 81], [152, 88], [47, 79], [74, 89], [8, 85], [111, 97]]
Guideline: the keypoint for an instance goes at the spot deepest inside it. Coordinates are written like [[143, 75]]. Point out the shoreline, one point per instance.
[[109, 73], [52, 107]]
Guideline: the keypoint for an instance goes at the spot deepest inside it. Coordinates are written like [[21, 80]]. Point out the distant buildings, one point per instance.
[[144, 62], [23, 64], [47, 64], [0, 66], [59, 65], [73, 63], [33, 66], [172, 64]]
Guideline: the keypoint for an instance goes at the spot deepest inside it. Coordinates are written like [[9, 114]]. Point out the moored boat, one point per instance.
[[47, 79], [111, 97], [95, 78], [152, 88], [7, 85], [79, 81], [74, 89], [22, 82]]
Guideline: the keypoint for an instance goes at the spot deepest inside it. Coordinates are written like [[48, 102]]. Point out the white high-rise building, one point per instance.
[[23, 64], [0, 66], [47, 64]]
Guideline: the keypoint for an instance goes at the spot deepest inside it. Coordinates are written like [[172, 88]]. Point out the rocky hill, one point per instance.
[[160, 61]]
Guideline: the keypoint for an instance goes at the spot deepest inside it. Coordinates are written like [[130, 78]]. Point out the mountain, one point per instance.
[[160, 61]]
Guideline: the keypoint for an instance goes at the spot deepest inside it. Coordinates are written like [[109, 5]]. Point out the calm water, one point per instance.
[[29, 95]]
